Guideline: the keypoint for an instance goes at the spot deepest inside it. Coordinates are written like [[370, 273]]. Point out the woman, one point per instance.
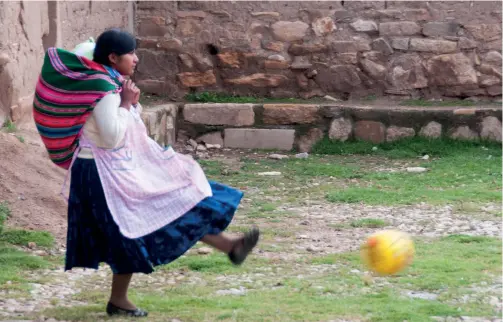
[[132, 204]]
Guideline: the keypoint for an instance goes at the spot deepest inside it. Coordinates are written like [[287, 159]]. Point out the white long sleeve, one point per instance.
[[107, 124]]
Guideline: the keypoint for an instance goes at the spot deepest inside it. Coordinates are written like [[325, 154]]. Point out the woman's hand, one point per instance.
[[130, 94]]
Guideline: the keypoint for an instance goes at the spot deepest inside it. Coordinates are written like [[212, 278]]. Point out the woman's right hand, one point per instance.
[[129, 93]]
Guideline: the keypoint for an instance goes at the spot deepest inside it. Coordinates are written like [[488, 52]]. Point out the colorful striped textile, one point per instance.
[[68, 89]]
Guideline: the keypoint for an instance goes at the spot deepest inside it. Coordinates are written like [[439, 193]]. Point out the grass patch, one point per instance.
[[214, 263], [215, 97], [422, 102], [23, 237], [4, 214], [282, 304], [13, 262], [368, 223], [336, 294], [458, 171], [407, 148], [9, 126], [452, 262]]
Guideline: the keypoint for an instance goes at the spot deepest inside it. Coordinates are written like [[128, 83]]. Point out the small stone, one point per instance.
[[197, 79], [259, 80], [394, 133], [400, 43], [265, 13], [422, 295], [201, 148], [416, 169], [381, 45], [273, 46], [204, 250], [401, 28], [269, 173], [193, 144], [431, 130], [440, 29], [464, 133], [276, 57], [173, 44], [491, 129], [275, 64], [214, 138], [40, 253], [367, 26], [32, 245], [323, 26], [230, 59], [307, 141], [375, 70], [313, 249], [465, 43], [432, 45], [372, 131], [301, 62], [303, 155], [213, 146], [330, 98], [278, 156], [484, 32], [340, 129], [303, 49], [425, 157], [232, 291], [289, 31], [493, 58]]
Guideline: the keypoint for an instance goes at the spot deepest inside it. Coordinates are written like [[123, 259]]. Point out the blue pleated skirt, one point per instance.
[[93, 237]]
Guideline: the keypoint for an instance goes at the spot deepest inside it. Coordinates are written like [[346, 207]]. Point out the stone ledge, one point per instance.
[[300, 126]]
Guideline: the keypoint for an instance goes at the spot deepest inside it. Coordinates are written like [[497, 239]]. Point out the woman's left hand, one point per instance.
[[136, 98]]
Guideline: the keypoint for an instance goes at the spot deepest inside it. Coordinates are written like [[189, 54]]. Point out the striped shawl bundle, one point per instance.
[[68, 89]]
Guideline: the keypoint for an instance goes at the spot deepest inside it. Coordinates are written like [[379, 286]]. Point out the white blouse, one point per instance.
[[106, 126]]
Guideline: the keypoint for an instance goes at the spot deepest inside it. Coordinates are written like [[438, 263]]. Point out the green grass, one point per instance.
[[348, 173], [407, 148], [14, 262], [212, 97], [24, 237], [422, 102], [336, 294], [451, 179], [9, 126], [458, 171], [4, 214], [368, 223]]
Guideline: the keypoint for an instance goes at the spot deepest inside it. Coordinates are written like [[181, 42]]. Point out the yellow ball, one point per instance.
[[388, 252]]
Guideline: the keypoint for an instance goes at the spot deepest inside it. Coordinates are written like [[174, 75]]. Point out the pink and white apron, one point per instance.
[[146, 186]]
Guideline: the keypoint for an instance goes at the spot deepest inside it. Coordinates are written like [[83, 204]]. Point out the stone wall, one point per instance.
[[27, 28], [300, 126], [312, 48]]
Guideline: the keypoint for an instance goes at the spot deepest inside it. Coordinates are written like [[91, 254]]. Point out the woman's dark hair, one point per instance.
[[113, 41]]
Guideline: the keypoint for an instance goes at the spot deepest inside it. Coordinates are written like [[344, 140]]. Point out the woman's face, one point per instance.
[[124, 64]]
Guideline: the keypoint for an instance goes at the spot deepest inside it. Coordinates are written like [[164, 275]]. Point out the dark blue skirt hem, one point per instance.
[[94, 238]]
